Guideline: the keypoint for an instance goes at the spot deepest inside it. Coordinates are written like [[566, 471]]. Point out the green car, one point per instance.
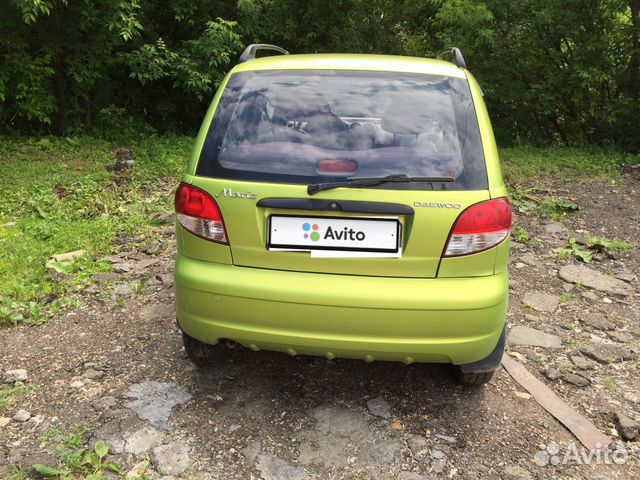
[[347, 206]]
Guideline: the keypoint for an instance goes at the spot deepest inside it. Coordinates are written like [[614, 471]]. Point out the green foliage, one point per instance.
[[76, 461], [534, 201], [553, 72], [59, 196], [575, 250], [8, 393], [606, 245], [521, 235]]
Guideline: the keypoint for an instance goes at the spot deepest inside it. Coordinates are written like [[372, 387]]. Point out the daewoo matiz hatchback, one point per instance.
[[345, 206]]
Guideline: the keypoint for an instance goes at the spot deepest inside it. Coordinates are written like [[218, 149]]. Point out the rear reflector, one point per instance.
[[199, 213], [480, 227]]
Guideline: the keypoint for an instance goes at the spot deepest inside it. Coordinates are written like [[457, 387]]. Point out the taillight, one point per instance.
[[199, 213], [480, 227]]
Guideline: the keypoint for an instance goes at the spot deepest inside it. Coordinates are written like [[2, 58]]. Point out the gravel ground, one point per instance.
[[121, 370]]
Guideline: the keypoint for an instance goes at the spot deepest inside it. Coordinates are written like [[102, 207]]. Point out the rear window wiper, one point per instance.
[[373, 181]]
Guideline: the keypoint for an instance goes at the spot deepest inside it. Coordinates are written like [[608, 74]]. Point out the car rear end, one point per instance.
[[274, 254]]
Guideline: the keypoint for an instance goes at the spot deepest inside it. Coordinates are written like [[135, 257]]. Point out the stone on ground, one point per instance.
[[171, 459], [21, 416], [523, 335], [515, 472], [273, 468], [12, 376], [379, 407], [577, 380], [541, 301], [143, 440], [605, 353], [594, 279], [629, 428], [155, 401]]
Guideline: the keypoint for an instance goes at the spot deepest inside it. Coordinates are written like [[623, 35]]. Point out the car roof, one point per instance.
[[339, 61]]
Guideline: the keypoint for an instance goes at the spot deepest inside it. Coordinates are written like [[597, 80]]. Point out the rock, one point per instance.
[[104, 403], [4, 421], [529, 259], [125, 267], [522, 335], [21, 416], [552, 374], [541, 301], [37, 420], [594, 279], [155, 401], [577, 380], [138, 470], [626, 276], [102, 278], [171, 459], [123, 290], [152, 248], [628, 428], [531, 317], [273, 468], [515, 472], [605, 353], [143, 440], [65, 257], [446, 438], [555, 228], [589, 295], [597, 320], [621, 337], [93, 374], [76, 384], [437, 453], [582, 363], [379, 407], [18, 375]]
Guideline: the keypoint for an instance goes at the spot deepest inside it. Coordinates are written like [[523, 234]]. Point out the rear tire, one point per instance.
[[200, 353], [474, 378]]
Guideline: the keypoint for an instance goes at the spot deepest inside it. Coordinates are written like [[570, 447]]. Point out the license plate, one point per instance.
[[338, 234]]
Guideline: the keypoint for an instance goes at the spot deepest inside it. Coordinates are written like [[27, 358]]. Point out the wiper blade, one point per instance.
[[373, 181]]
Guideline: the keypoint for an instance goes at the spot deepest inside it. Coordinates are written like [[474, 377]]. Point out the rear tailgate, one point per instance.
[[423, 234]]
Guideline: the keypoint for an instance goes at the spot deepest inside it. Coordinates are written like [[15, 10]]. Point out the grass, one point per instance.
[[9, 393], [59, 196], [567, 163]]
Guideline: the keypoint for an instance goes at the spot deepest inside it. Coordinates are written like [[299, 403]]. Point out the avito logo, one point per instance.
[[345, 234], [311, 231]]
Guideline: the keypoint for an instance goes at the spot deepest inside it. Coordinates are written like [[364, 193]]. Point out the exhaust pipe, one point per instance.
[[231, 344]]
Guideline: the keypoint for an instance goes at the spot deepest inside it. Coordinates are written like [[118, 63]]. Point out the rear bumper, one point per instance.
[[446, 320]]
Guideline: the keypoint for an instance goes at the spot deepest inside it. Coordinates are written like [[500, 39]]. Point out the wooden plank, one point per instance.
[[585, 431]]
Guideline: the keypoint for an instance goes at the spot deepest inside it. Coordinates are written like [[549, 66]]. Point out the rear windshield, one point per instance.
[[320, 126]]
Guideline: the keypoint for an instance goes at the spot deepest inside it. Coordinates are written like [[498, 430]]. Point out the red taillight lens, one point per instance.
[[336, 167], [480, 227], [199, 213]]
